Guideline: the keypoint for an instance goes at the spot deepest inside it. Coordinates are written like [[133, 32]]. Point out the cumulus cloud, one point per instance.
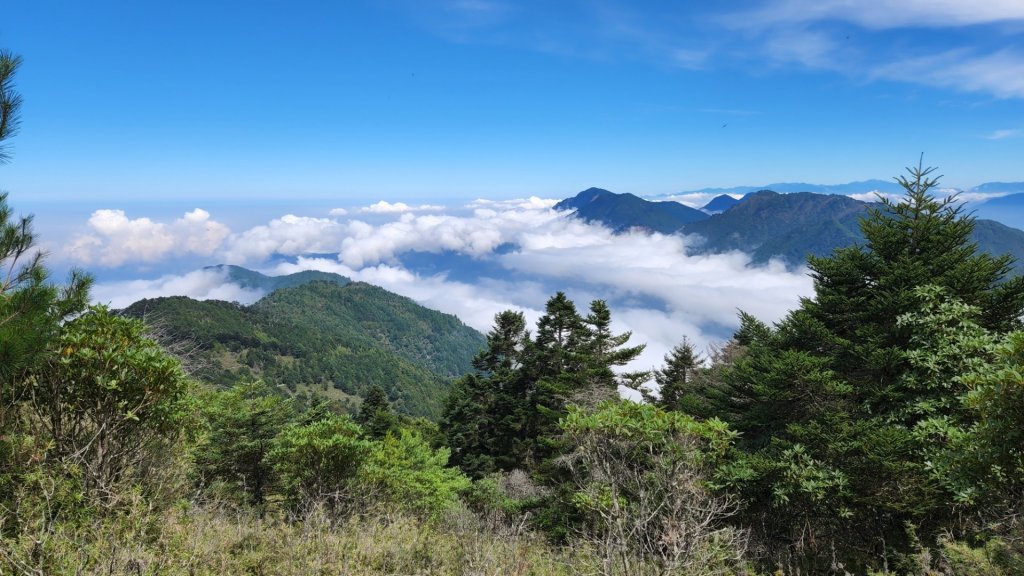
[[337, 212], [199, 284], [656, 288], [478, 235], [384, 207], [288, 235], [114, 239]]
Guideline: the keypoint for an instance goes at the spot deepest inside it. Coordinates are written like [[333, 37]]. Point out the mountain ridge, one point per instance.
[[323, 338]]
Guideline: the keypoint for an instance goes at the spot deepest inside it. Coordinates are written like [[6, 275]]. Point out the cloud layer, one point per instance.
[[509, 254], [113, 239]]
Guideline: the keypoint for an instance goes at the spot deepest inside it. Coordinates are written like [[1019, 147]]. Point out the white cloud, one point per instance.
[[656, 289], [1006, 133], [999, 73], [384, 207], [337, 212], [114, 239], [199, 284], [696, 199], [476, 236], [288, 235], [531, 203], [885, 14]]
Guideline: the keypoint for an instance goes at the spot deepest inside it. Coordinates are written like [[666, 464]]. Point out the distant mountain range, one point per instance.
[[859, 187], [720, 204], [766, 224], [1006, 209], [623, 211], [319, 334]]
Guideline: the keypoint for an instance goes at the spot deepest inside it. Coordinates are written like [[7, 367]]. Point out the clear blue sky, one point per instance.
[[420, 100]]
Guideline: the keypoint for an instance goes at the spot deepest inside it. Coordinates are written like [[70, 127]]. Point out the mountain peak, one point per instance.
[[621, 212]]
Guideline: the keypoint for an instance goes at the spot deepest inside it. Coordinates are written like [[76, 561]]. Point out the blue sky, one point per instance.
[[129, 102], [160, 137]]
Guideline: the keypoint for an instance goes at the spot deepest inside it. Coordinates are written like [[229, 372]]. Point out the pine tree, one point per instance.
[[375, 415], [674, 380], [823, 400], [31, 307], [484, 414], [605, 350]]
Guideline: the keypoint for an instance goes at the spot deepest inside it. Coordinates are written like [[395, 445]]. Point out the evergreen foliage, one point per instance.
[[243, 423], [323, 338], [375, 416], [827, 400], [675, 380], [507, 415]]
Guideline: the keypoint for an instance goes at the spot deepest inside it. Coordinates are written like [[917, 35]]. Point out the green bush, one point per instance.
[[316, 462], [403, 472]]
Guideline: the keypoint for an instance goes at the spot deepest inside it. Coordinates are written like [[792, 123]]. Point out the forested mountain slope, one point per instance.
[[322, 337], [769, 225]]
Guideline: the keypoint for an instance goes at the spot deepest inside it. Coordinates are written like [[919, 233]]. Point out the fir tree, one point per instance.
[[675, 379], [823, 400], [375, 415]]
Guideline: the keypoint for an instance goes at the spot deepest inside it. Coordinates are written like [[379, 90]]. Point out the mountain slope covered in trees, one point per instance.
[[768, 224], [323, 337]]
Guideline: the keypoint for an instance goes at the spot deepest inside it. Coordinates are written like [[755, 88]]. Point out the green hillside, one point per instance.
[[322, 338]]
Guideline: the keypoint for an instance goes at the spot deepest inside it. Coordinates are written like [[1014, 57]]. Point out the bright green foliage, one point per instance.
[[106, 395], [971, 407], [404, 473], [316, 462], [375, 415], [242, 425]]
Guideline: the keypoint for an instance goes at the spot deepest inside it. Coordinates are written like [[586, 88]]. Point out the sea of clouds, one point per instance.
[[511, 254]]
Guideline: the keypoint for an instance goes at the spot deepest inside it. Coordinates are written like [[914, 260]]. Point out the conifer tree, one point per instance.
[[823, 400], [675, 378], [375, 414], [31, 307], [484, 414]]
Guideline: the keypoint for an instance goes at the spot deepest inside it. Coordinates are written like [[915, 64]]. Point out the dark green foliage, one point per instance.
[[243, 423], [507, 415], [10, 100], [827, 402], [675, 380], [485, 414], [322, 336], [375, 416], [31, 307]]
